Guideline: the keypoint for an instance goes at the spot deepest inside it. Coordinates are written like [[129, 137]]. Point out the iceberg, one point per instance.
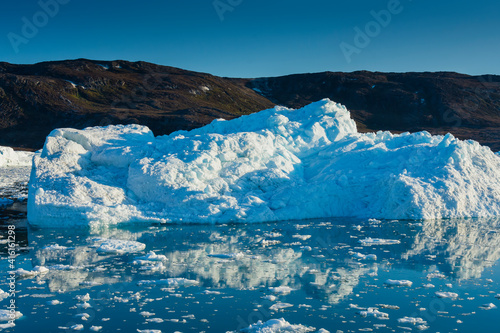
[[277, 164], [11, 158]]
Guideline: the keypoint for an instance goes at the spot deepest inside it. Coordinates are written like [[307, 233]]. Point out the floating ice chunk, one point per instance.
[[172, 282], [434, 275], [428, 285], [54, 302], [234, 256], [37, 270], [279, 306], [117, 246], [405, 283], [411, 320], [374, 312], [282, 290], [148, 331], [95, 328], [446, 294], [82, 316], [54, 247], [322, 330], [302, 237], [152, 256], [387, 306], [271, 298], [378, 241], [276, 326], [211, 292], [146, 314], [6, 315], [83, 298], [155, 320], [488, 306], [365, 256], [77, 327], [3, 294]]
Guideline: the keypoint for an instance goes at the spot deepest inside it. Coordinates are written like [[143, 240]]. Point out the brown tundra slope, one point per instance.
[[34, 99]]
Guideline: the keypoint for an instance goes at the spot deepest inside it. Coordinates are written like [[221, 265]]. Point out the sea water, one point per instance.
[[342, 275]]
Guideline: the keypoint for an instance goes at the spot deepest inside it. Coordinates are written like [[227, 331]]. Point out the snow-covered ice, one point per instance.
[[405, 283], [12, 158], [276, 326], [277, 164], [377, 241], [15, 168], [5, 315], [118, 246], [446, 294]]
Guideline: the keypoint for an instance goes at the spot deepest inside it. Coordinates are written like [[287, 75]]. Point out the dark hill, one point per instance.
[[34, 99]]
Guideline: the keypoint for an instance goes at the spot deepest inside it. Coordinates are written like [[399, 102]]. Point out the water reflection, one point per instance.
[[318, 257]]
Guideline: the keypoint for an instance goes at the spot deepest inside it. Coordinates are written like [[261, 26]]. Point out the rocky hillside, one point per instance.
[[467, 106], [34, 99]]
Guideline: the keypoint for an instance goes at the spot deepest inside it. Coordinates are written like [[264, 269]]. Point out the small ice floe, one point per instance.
[[364, 256], [37, 270], [412, 320], [405, 283], [282, 290], [56, 247], [272, 235], [54, 302], [83, 298], [6, 315], [82, 316], [497, 296], [428, 285], [488, 306], [449, 285], [435, 275], [276, 326], [3, 294], [234, 256], [210, 292], [279, 306], [148, 331], [266, 242], [374, 312], [158, 267], [155, 320], [378, 241], [95, 328], [322, 330], [271, 298], [302, 237], [77, 327], [387, 306], [118, 246], [446, 294], [151, 256], [172, 282], [146, 314]]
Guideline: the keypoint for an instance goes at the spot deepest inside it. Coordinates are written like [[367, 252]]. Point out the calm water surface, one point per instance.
[[231, 271]]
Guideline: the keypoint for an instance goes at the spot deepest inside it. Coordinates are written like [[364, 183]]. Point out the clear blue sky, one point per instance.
[[252, 38]]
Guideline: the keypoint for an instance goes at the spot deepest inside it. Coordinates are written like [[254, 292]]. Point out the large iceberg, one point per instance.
[[278, 164]]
